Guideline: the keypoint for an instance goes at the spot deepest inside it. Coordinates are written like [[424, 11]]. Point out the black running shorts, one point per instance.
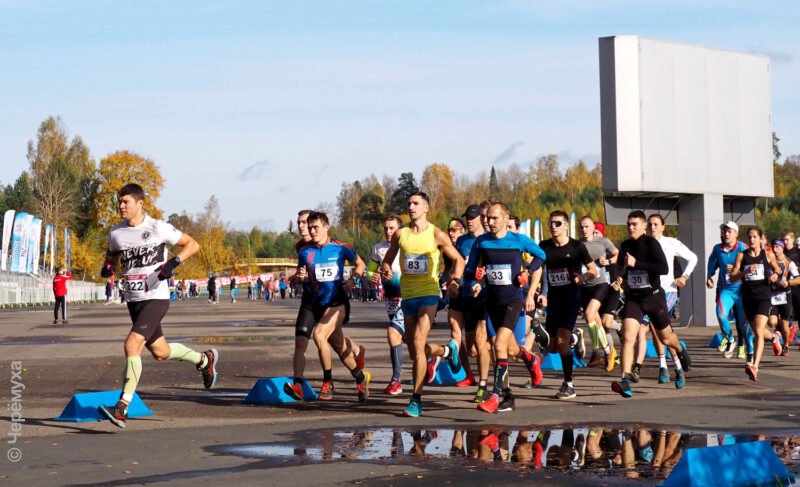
[[146, 317], [654, 306], [598, 293]]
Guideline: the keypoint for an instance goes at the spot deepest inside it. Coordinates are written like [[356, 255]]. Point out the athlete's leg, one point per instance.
[[760, 331], [417, 329], [630, 331]]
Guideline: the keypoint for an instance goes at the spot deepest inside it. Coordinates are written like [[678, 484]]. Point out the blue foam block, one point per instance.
[[750, 463], [715, 341], [651, 350], [270, 391], [552, 361], [83, 407], [445, 377]]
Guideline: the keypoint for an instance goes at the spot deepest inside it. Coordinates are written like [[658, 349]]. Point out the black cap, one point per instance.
[[472, 212]]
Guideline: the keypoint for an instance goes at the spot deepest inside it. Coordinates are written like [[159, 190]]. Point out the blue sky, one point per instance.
[[272, 105]]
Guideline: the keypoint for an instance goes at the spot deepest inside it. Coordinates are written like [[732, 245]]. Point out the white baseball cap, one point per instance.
[[730, 224]]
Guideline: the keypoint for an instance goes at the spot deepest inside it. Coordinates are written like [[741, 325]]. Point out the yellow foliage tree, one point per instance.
[[437, 182], [115, 171]]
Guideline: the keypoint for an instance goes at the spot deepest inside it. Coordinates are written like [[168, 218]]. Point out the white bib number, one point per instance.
[[415, 264], [136, 284], [638, 279], [778, 299], [499, 275], [558, 277], [326, 272], [755, 272], [392, 307]]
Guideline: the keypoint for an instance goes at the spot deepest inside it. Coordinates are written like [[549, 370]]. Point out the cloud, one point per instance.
[[777, 57], [506, 155], [254, 171]]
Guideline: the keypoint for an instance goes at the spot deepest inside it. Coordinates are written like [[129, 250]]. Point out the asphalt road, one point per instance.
[[190, 437]]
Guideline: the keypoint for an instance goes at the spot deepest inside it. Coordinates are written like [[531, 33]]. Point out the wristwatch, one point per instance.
[[177, 259]]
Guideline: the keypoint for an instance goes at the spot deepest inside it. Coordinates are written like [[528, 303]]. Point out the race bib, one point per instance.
[[755, 272], [327, 272], [136, 285], [499, 275], [638, 279], [558, 277], [392, 306], [415, 264], [778, 299]]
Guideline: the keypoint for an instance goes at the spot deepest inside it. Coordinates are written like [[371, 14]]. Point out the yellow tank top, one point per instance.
[[419, 260]]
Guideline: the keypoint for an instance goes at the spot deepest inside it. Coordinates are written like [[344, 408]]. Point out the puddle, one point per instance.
[[243, 339], [249, 324], [645, 454]]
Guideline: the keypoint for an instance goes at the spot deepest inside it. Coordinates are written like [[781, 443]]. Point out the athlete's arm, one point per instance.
[[443, 241], [776, 269], [712, 268], [536, 278], [683, 252], [794, 274], [591, 268], [736, 272], [386, 265], [658, 262], [188, 245]]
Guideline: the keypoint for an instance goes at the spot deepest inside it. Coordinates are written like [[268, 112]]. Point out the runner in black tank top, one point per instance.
[[751, 267]]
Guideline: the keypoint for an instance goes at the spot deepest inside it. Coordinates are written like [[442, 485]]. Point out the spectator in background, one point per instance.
[[212, 290], [109, 289], [60, 292], [233, 289], [283, 286]]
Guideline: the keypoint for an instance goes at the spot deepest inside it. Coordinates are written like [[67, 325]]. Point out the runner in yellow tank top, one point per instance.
[[420, 245]]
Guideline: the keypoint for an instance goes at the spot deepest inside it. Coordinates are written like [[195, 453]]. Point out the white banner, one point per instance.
[[8, 226], [24, 253], [35, 247]]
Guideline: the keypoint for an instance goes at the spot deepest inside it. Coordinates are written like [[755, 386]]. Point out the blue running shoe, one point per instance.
[[623, 388], [680, 379], [663, 376], [452, 359], [414, 409]]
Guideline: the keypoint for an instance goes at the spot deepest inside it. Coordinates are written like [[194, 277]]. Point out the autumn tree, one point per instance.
[[406, 185], [18, 196], [437, 183], [214, 255], [116, 170]]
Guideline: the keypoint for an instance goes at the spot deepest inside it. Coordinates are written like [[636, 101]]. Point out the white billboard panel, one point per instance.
[[677, 118]]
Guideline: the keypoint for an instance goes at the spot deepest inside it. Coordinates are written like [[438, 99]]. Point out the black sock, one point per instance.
[[358, 375], [416, 397], [298, 380], [327, 375]]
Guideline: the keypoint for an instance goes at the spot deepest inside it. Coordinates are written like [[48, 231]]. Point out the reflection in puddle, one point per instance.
[[634, 454], [243, 339]]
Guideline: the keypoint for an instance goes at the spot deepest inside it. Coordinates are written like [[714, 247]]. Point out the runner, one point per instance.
[[729, 297], [751, 268], [420, 244], [391, 288], [140, 243], [781, 310], [323, 264], [565, 256], [305, 322], [613, 303], [793, 254], [497, 256], [673, 248], [643, 263], [595, 293], [468, 313]]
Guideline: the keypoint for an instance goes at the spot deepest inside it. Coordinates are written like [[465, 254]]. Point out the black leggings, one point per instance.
[[61, 302]]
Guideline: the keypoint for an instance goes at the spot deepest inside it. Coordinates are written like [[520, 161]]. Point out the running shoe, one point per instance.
[[680, 379], [686, 360], [452, 357], [663, 376], [750, 358], [414, 409], [490, 405], [528, 384], [542, 337], [612, 360], [580, 346], [326, 391], [64, 322], [635, 371], [295, 391], [579, 452], [536, 370], [363, 387], [792, 333], [118, 415], [598, 358], [742, 353], [623, 388], [491, 440], [507, 404], [469, 380], [752, 372], [362, 354], [777, 348], [566, 392], [723, 344], [210, 369], [433, 363], [395, 388], [730, 348], [55, 322], [481, 395], [785, 352]]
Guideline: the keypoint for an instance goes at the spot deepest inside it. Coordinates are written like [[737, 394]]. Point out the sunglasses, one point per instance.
[[556, 223]]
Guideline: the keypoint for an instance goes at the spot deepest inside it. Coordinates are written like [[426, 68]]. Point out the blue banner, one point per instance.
[[16, 240], [47, 230]]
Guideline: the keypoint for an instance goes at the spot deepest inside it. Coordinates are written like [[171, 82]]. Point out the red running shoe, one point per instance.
[[468, 381], [490, 405], [536, 370]]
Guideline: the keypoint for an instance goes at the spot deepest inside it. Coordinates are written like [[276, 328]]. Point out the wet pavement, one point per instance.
[[196, 434]]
